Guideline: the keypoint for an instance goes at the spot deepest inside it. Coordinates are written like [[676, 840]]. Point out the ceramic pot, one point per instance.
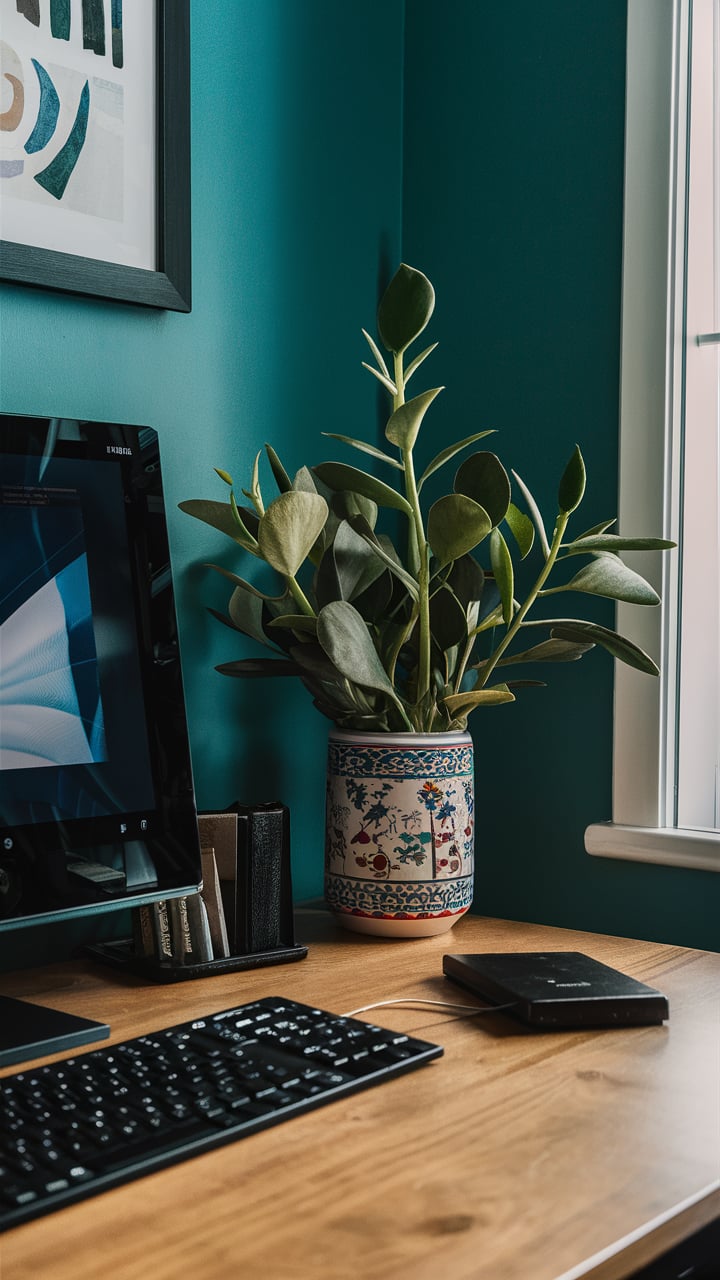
[[399, 831]]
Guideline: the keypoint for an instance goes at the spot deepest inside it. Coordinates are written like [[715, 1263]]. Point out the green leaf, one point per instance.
[[219, 516], [556, 649], [282, 478], [246, 611], [535, 513], [330, 527], [502, 567], [356, 563], [315, 662], [467, 580], [248, 668], [462, 703], [415, 364], [365, 448], [246, 522], [325, 582], [378, 356], [296, 622], [346, 505], [384, 550], [222, 617], [613, 542], [245, 586], [608, 576], [456, 524], [403, 425], [483, 477], [599, 528], [617, 645], [572, 484], [345, 639], [446, 454], [489, 621], [521, 528], [253, 493], [448, 623], [386, 382], [344, 702], [304, 481], [289, 528], [337, 475], [405, 308], [373, 603]]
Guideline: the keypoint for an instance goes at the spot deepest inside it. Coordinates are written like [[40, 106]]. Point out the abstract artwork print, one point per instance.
[[77, 127]]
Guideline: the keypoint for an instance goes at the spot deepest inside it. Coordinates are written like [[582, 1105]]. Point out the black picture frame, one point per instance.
[[170, 286]]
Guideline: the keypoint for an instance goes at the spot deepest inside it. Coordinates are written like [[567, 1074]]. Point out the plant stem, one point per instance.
[[402, 639], [529, 602], [423, 578], [464, 661], [490, 622], [418, 550], [299, 597]]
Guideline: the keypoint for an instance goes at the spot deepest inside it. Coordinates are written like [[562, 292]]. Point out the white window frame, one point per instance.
[[651, 387]]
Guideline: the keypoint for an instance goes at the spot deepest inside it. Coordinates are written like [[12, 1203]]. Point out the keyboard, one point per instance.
[[77, 1127]]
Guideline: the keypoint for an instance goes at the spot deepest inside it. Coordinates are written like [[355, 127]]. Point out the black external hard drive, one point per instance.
[[558, 989]]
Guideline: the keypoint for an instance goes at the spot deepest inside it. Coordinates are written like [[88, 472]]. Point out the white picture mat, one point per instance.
[[122, 226]]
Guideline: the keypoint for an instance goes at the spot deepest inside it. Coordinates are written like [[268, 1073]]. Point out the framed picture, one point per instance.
[[95, 148]]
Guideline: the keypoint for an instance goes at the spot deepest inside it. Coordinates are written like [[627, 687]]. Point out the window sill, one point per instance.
[[667, 845]]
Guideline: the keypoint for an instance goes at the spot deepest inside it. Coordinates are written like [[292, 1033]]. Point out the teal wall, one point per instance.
[[507, 190], [514, 120]]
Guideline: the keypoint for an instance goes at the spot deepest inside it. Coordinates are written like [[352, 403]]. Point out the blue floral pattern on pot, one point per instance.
[[399, 831]]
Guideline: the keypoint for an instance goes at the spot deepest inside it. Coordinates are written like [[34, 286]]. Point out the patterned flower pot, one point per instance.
[[399, 831]]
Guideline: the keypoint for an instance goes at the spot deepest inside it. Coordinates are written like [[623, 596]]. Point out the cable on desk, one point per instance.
[[448, 1005]]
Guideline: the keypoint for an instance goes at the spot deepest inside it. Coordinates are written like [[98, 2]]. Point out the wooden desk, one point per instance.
[[516, 1156]]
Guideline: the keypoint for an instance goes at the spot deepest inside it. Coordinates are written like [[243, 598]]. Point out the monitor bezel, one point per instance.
[[133, 451]]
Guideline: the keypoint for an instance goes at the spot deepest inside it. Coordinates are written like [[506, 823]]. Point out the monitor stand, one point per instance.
[[30, 1031]]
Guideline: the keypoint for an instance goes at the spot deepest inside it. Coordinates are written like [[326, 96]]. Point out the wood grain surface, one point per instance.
[[518, 1155]]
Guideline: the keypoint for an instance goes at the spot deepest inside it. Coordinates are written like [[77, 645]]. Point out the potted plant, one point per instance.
[[399, 639]]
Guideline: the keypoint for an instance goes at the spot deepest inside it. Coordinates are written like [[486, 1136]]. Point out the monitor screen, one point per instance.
[[96, 797]]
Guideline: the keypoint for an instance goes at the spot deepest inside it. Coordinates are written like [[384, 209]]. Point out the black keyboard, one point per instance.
[[73, 1128]]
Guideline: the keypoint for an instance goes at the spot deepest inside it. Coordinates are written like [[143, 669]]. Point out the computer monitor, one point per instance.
[[97, 808]]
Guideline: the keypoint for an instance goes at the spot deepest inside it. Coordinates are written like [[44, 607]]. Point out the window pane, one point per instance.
[[698, 716]]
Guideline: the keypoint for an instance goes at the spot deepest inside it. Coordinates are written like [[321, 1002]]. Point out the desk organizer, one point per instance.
[[121, 955], [244, 907]]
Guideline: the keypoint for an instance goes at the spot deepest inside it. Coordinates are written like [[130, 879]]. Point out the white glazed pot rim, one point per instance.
[[376, 739]]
